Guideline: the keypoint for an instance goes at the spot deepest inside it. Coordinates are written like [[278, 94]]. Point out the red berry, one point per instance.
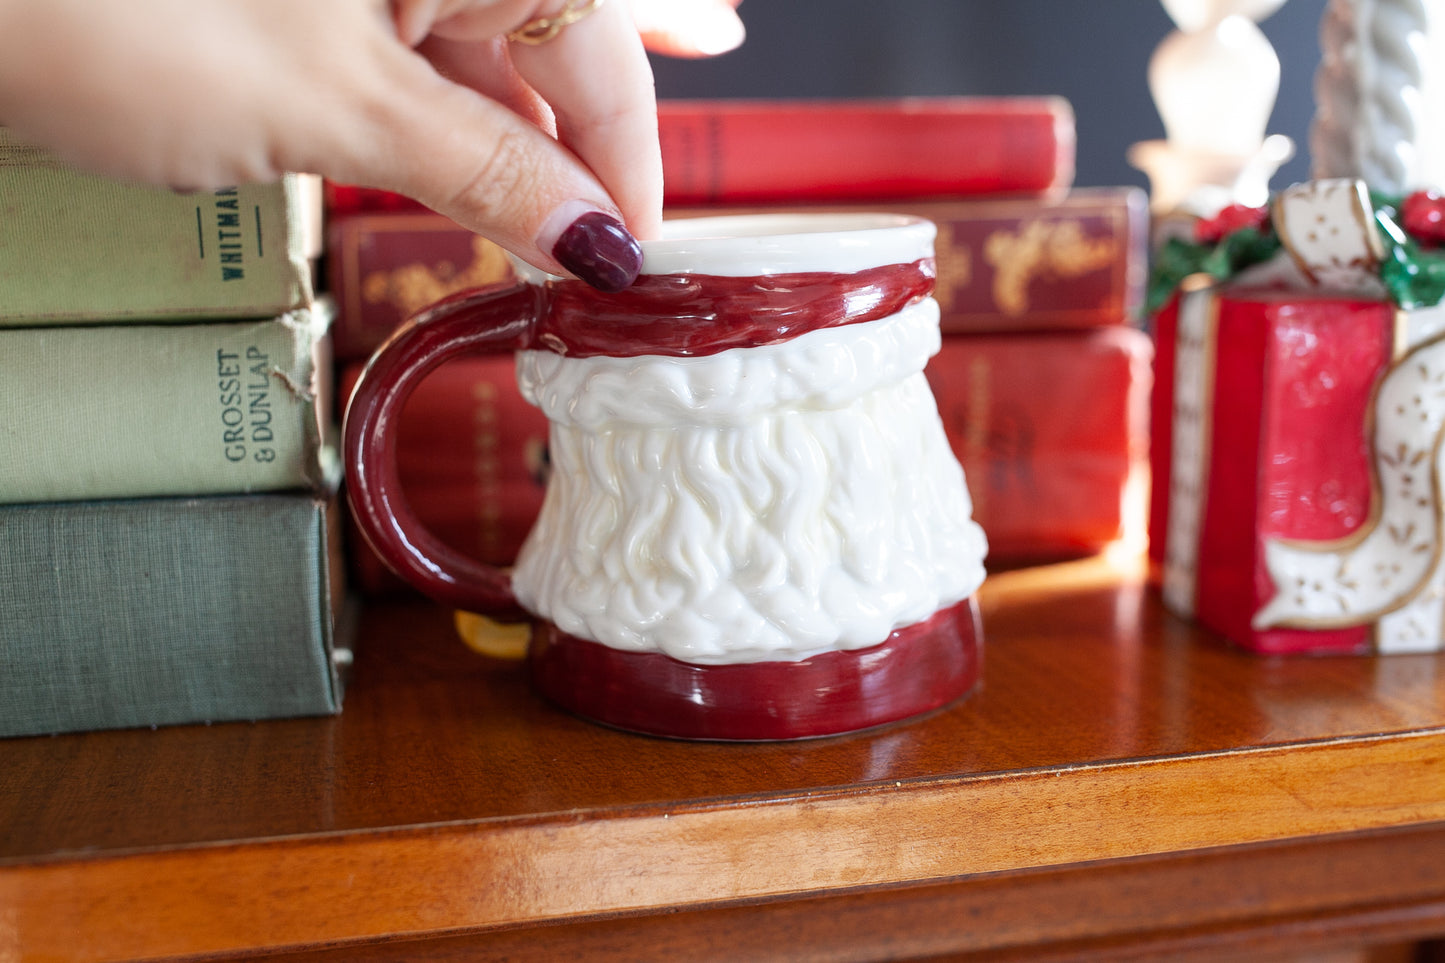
[[1422, 215], [1211, 230]]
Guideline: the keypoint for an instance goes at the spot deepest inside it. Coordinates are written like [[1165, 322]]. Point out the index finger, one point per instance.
[[596, 77]]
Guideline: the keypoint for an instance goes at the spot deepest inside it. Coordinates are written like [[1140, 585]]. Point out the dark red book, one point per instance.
[[1052, 432], [751, 151], [343, 199], [382, 267], [1006, 264], [1075, 260], [1079, 260]]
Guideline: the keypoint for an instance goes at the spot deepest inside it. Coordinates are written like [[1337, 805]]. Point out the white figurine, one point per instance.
[[1214, 81], [1380, 94]]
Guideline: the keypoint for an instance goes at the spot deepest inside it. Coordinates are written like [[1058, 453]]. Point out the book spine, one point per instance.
[[1052, 433], [472, 455], [141, 410], [756, 151], [79, 248], [342, 200], [747, 151], [152, 612], [1077, 260], [384, 267]]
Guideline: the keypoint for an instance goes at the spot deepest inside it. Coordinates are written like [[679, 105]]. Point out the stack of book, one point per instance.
[[1043, 380], [168, 473]]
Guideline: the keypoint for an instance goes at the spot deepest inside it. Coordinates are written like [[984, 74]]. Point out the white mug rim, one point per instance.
[[743, 245]]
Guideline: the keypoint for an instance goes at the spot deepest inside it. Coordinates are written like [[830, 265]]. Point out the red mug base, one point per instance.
[[918, 668]]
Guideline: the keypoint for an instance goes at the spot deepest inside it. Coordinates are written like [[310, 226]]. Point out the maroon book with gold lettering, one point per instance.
[[1006, 264], [384, 266], [1076, 260]]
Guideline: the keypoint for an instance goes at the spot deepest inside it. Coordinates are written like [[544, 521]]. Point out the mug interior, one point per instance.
[[741, 245]]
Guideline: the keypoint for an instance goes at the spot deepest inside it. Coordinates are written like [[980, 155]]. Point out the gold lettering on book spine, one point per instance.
[[411, 287], [954, 261], [1043, 250]]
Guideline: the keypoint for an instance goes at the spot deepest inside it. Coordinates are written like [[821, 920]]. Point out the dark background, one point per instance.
[[1093, 52]]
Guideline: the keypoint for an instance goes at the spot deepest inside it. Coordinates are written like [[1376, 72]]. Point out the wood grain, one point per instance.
[[1305, 900], [447, 798]]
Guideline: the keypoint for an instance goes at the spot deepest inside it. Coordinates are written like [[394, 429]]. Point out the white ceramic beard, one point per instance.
[[768, 503]]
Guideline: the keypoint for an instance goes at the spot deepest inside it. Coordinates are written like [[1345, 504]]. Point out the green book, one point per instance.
[[76, 247], [151, 612], [184, 409]]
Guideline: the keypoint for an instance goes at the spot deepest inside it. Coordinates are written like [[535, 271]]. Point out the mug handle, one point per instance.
[[490, 320]]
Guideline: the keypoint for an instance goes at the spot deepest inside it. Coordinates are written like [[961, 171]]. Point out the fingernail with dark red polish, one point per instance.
[[598, 249]]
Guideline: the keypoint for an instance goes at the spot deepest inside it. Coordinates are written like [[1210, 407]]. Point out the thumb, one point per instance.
[[688, 28], [491, 171]]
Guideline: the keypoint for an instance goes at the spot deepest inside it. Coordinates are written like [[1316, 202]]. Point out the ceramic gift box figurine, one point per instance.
[[1300, 389], [1301, 396], [754, 526]]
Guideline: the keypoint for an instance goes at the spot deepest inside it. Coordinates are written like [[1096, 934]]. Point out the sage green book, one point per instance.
[[152, 612], [76, 247], [184, 409]]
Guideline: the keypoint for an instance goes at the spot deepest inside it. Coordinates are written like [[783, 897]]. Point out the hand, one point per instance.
[[548, 150]]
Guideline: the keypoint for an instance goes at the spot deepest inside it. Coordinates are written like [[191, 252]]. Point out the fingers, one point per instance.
[[495, 170], [688, 28], [486, 67], [483, 165], [591, 84], [677, 28], [597, 79]]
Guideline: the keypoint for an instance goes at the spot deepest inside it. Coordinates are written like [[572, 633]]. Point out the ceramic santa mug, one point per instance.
[[754, 527]]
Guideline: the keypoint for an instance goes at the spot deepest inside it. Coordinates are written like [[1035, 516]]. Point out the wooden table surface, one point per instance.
[[1119, 776]]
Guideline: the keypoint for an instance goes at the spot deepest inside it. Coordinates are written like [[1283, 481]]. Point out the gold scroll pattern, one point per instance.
[[411, 287], [1042, 249]]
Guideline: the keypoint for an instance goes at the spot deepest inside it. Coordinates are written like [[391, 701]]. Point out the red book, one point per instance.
[[1052, 432], [754, 151], [1006, 264], [344, 199], [750, 151]]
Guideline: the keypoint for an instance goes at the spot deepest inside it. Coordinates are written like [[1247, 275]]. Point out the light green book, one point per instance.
[[177, 409], [157, 611], [75, 247]]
